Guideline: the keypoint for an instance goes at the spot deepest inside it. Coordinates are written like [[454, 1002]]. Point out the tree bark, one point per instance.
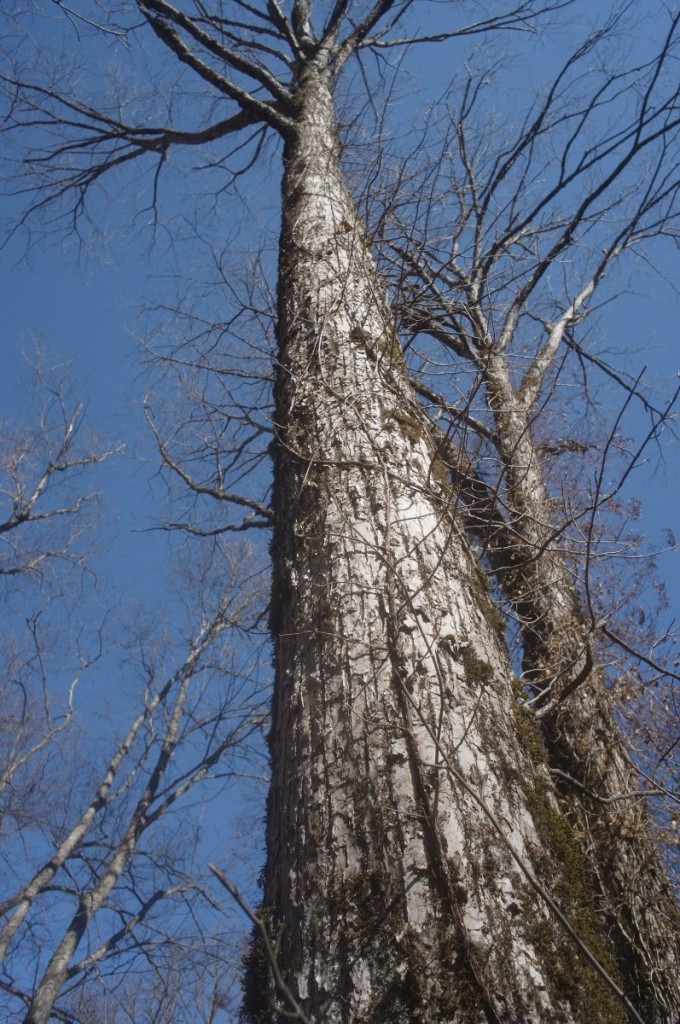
[[408, 824], [584, 745]]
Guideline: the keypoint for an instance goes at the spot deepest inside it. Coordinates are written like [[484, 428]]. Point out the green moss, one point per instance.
[[387, 345], [391, 349], [483, 579], [527, 728], [561, 865], [477, 671], [421, 979], [441, 473], [368, 919], [563, 868], [402, 999], [483, 590], [366, 896], [411, 970], [573, 981], [408, 424]]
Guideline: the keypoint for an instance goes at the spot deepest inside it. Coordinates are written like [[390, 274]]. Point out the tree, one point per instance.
[[98, 881], [43, 525], [420, 866], [489, 285]]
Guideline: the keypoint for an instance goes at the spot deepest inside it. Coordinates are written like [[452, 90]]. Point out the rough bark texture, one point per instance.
[[404, 797], [580, 733]]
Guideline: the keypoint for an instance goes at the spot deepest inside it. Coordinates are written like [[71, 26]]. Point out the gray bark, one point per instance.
[[593, 769], [408, 824]]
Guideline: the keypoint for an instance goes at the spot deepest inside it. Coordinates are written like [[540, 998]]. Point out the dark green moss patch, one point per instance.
[[561, 865], [441, 473], [527, 729], [477, 671], [564, 870], [407, 423], [416, 976], [483, 589]]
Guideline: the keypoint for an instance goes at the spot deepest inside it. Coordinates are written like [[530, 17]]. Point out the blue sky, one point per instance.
[[85, 317], [84, 309]]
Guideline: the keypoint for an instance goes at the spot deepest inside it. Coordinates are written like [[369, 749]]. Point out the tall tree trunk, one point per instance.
[[407, 820], [585, 748]]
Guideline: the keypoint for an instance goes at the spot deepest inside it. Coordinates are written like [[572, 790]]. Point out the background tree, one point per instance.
[[44, 543], [406, 775], [99, 875], [502, 262]]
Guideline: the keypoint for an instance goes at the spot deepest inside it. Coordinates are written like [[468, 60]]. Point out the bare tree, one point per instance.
[[46, 534], [99, 881], [501, 265], [418, 863], [43, 518]]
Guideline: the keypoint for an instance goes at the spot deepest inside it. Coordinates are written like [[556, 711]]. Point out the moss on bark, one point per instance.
[[561, 865]]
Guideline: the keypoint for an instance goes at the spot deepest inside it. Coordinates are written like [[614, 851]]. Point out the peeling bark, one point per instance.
[[407, 821]]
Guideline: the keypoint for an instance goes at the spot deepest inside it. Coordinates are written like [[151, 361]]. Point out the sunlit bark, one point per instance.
[[594, 772], [406, 822]]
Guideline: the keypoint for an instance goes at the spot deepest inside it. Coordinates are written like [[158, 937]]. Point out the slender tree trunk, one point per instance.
[[407, 821], [56, 972], [584, 745], [92, 900]]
